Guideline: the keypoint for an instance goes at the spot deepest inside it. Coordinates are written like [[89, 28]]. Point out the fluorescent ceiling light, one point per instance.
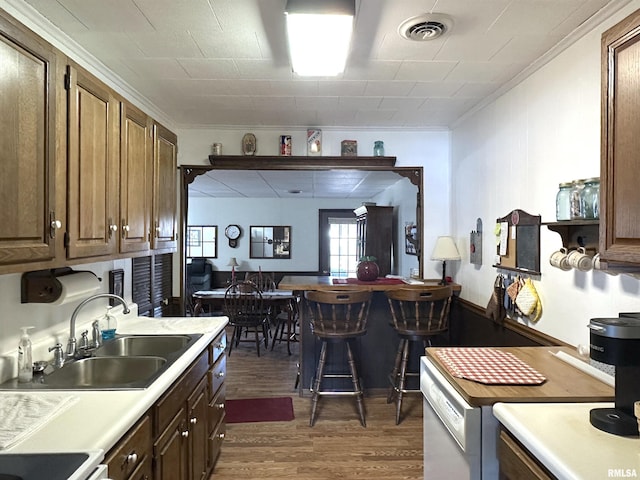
[[319, 34]]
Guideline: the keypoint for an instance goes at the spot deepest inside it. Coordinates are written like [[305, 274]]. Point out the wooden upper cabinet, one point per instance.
[[165, 153], [93, 155], [28, 82], [136, 174], [620, 175]]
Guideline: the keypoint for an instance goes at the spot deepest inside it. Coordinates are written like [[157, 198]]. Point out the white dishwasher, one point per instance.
[[459, 439]]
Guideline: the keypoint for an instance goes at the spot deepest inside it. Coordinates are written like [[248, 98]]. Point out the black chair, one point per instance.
[[338, 317], [199, 274], [244, 307], [199, 277], [417, 315]]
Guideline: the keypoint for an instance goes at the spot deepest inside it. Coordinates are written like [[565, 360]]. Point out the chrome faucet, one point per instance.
[[72, 350]]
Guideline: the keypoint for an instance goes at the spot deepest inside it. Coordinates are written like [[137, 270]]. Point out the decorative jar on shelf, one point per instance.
[[367, 270]]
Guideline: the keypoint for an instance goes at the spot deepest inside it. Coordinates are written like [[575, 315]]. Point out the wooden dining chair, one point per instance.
[[244, 307]]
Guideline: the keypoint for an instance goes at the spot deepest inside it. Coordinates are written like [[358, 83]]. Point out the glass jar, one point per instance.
[[590, 198], [378, 148], [563, 201], [576, 200]]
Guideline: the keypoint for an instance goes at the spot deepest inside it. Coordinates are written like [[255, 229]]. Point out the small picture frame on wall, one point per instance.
[[411, 238], [349, 148], [116, 284]]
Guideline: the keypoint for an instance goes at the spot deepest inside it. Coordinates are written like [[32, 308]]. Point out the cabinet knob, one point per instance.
[[54, 224], [220, 346], [132, 458], [219, 406], [221, 436], [193, 420], [185, 433], [113, 227], [219, 374]]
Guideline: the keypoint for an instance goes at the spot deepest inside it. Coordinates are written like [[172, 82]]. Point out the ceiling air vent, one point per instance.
[[425, 27]]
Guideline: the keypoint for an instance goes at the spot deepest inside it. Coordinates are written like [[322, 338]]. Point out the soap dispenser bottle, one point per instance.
[[25, 358], [108, 325]]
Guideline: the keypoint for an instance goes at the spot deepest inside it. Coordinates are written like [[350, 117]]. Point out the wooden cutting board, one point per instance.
[[564, 383]]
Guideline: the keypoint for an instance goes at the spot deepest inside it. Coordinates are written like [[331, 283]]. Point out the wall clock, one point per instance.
[[233, 232]]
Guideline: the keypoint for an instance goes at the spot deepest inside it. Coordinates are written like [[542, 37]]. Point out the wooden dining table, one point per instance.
[[278, 299]]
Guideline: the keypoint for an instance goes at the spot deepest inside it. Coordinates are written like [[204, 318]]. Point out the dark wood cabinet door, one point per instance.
[[170, 450], [136, 173], [93, 148], [620, 176], [197, 418], [165, 191], [27, 146]]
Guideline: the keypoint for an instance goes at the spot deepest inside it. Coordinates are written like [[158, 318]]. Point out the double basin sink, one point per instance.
[[126, 362]]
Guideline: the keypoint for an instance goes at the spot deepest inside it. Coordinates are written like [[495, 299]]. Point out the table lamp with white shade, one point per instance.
[[445, 249]]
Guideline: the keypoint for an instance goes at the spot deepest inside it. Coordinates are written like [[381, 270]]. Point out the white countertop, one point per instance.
[[561, 437], [98, 419]]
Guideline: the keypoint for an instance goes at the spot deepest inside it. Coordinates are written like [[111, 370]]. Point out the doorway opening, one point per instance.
[[338, 243]]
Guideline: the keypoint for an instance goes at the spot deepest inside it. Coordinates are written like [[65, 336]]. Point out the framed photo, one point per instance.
[[349, 148], [116, 284], [411, 238]]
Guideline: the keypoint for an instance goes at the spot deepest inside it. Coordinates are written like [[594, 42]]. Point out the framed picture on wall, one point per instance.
[[411, 238]]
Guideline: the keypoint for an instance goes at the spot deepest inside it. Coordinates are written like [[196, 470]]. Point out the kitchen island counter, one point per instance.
[[376, 350]]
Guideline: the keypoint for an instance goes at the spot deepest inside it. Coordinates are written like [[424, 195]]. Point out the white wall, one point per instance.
[[513, 154], [429, 149]]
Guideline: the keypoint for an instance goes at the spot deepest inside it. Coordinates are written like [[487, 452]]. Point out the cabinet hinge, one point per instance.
[[66, 239], [67, 81]]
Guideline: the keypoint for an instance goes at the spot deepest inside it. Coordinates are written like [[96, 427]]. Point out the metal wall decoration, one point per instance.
[[116, 284], [475, 244]]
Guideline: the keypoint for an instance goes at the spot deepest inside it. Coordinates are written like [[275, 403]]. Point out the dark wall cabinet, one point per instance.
[[375, 235], [86, 175], [30, 215], [620, 176]]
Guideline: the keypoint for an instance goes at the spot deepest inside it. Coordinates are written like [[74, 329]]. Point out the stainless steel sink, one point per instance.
[[106, 372], [143, 345], [124, 363]]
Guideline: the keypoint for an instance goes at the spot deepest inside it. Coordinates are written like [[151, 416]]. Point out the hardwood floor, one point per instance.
[[336, 447]]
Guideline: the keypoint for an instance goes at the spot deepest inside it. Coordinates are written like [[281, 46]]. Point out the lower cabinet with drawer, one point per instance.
[[180, 437], [516, 463], [131, 458]]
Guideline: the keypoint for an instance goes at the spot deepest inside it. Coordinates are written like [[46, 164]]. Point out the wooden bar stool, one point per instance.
[[338, 317], [417, 315]]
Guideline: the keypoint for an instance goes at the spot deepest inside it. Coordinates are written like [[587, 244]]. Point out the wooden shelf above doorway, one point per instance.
[[273, 162]]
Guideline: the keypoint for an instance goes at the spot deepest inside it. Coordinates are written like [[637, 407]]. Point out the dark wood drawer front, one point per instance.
[[215, 443], [218, 346], [133, 450], [175, 397], [516, 463], [217, 375], [216, 409]]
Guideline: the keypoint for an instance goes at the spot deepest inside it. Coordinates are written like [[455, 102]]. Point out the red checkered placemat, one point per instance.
[[486, 365]]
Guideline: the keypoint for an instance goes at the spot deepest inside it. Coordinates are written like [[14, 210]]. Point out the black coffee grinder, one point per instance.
[[616, 341]]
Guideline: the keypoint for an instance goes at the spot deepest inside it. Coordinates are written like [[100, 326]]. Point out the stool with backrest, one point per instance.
[[244, 306], [417, 315], [338, 317]]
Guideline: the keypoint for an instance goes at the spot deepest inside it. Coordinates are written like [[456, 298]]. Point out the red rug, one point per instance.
[[245, 410]]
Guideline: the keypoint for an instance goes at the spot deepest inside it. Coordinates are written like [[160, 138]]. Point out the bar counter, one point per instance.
[[375, 351]]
